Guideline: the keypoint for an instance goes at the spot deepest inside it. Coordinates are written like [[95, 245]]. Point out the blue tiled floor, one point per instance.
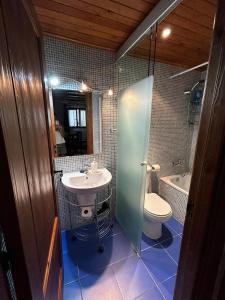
[[118, 273]]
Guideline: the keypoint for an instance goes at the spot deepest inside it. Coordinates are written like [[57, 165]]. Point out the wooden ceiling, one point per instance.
[[108, 23]]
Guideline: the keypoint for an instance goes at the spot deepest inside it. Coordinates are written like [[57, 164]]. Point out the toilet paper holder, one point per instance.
[[154, 167]]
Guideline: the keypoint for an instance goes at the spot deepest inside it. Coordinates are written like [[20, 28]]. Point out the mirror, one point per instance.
[[77, 120]]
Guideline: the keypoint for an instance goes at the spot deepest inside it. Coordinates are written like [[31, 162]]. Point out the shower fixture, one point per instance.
[[189, 92]]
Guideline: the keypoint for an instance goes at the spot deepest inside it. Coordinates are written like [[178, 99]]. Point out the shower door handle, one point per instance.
[[143, 163]]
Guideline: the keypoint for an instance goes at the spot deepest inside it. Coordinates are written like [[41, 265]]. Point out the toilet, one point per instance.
[[156, 211]]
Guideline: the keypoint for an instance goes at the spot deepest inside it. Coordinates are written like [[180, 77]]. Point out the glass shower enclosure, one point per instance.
[[133, 139]]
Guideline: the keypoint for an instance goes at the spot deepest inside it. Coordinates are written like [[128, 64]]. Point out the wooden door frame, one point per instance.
[[201, 270], [19, 229]]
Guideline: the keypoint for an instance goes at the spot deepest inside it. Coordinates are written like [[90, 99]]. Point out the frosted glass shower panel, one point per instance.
[[133, 137]]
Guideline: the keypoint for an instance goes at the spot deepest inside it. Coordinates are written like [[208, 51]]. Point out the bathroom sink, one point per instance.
[[89, 183]]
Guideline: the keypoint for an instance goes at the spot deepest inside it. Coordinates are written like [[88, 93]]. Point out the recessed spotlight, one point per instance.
[[84, 86], [54, 81], [110, 92], [166, 33]]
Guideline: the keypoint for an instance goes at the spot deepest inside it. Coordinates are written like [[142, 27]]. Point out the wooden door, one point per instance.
[[201, 270], [15, 209], [26, 141]]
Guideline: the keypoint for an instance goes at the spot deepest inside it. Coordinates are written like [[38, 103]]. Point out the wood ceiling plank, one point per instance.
[[163, 55], [186, 24], [154, 2], [164, 58], [78, 14], [79, 37], [102, 12], [203, 7], [193, 15], [139, 5], [79, 29], [75, 21], [117, 8], [183, 55], [107, 23], [186, 34], [175, 42], [179, 51], [187, 41]]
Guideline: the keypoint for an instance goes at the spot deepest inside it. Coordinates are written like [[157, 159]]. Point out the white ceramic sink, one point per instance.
[[90, 183]]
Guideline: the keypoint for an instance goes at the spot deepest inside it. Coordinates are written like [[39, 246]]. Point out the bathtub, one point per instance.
[[175, 189]]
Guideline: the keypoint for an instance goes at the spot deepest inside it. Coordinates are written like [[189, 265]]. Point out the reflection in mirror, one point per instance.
[[77, 120]]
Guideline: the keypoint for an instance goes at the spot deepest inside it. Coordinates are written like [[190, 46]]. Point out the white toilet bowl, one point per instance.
[[156, 212]]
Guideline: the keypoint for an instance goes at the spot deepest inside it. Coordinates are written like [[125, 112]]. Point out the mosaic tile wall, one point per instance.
[[169, 137], [169, 134], [97, 67]]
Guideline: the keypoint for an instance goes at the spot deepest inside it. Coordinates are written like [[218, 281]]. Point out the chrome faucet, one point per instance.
[[86, 169]]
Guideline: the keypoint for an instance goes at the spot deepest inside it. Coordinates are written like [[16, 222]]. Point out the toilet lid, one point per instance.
[[155, 205]]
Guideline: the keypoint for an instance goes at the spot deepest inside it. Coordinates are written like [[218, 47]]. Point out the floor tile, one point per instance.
[[146, 242], [93, 264], [152, 294], [116, 228], [173, 247], [132, 277], [167, 233], [72, 291], [159, 264], [118, 273], [117, 247], [70, 268], [167, 288], [175, 225], [102, 286], [91, 261]]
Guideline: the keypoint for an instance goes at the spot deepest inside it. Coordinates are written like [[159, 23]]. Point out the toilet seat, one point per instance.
[[156, 207]]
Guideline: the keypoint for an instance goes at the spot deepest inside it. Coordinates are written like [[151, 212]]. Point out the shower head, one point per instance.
[[188, 92]]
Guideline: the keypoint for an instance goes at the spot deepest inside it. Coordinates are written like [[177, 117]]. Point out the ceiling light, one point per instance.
[[84, 86], [166, 33], [54, 81], [110, 92]]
